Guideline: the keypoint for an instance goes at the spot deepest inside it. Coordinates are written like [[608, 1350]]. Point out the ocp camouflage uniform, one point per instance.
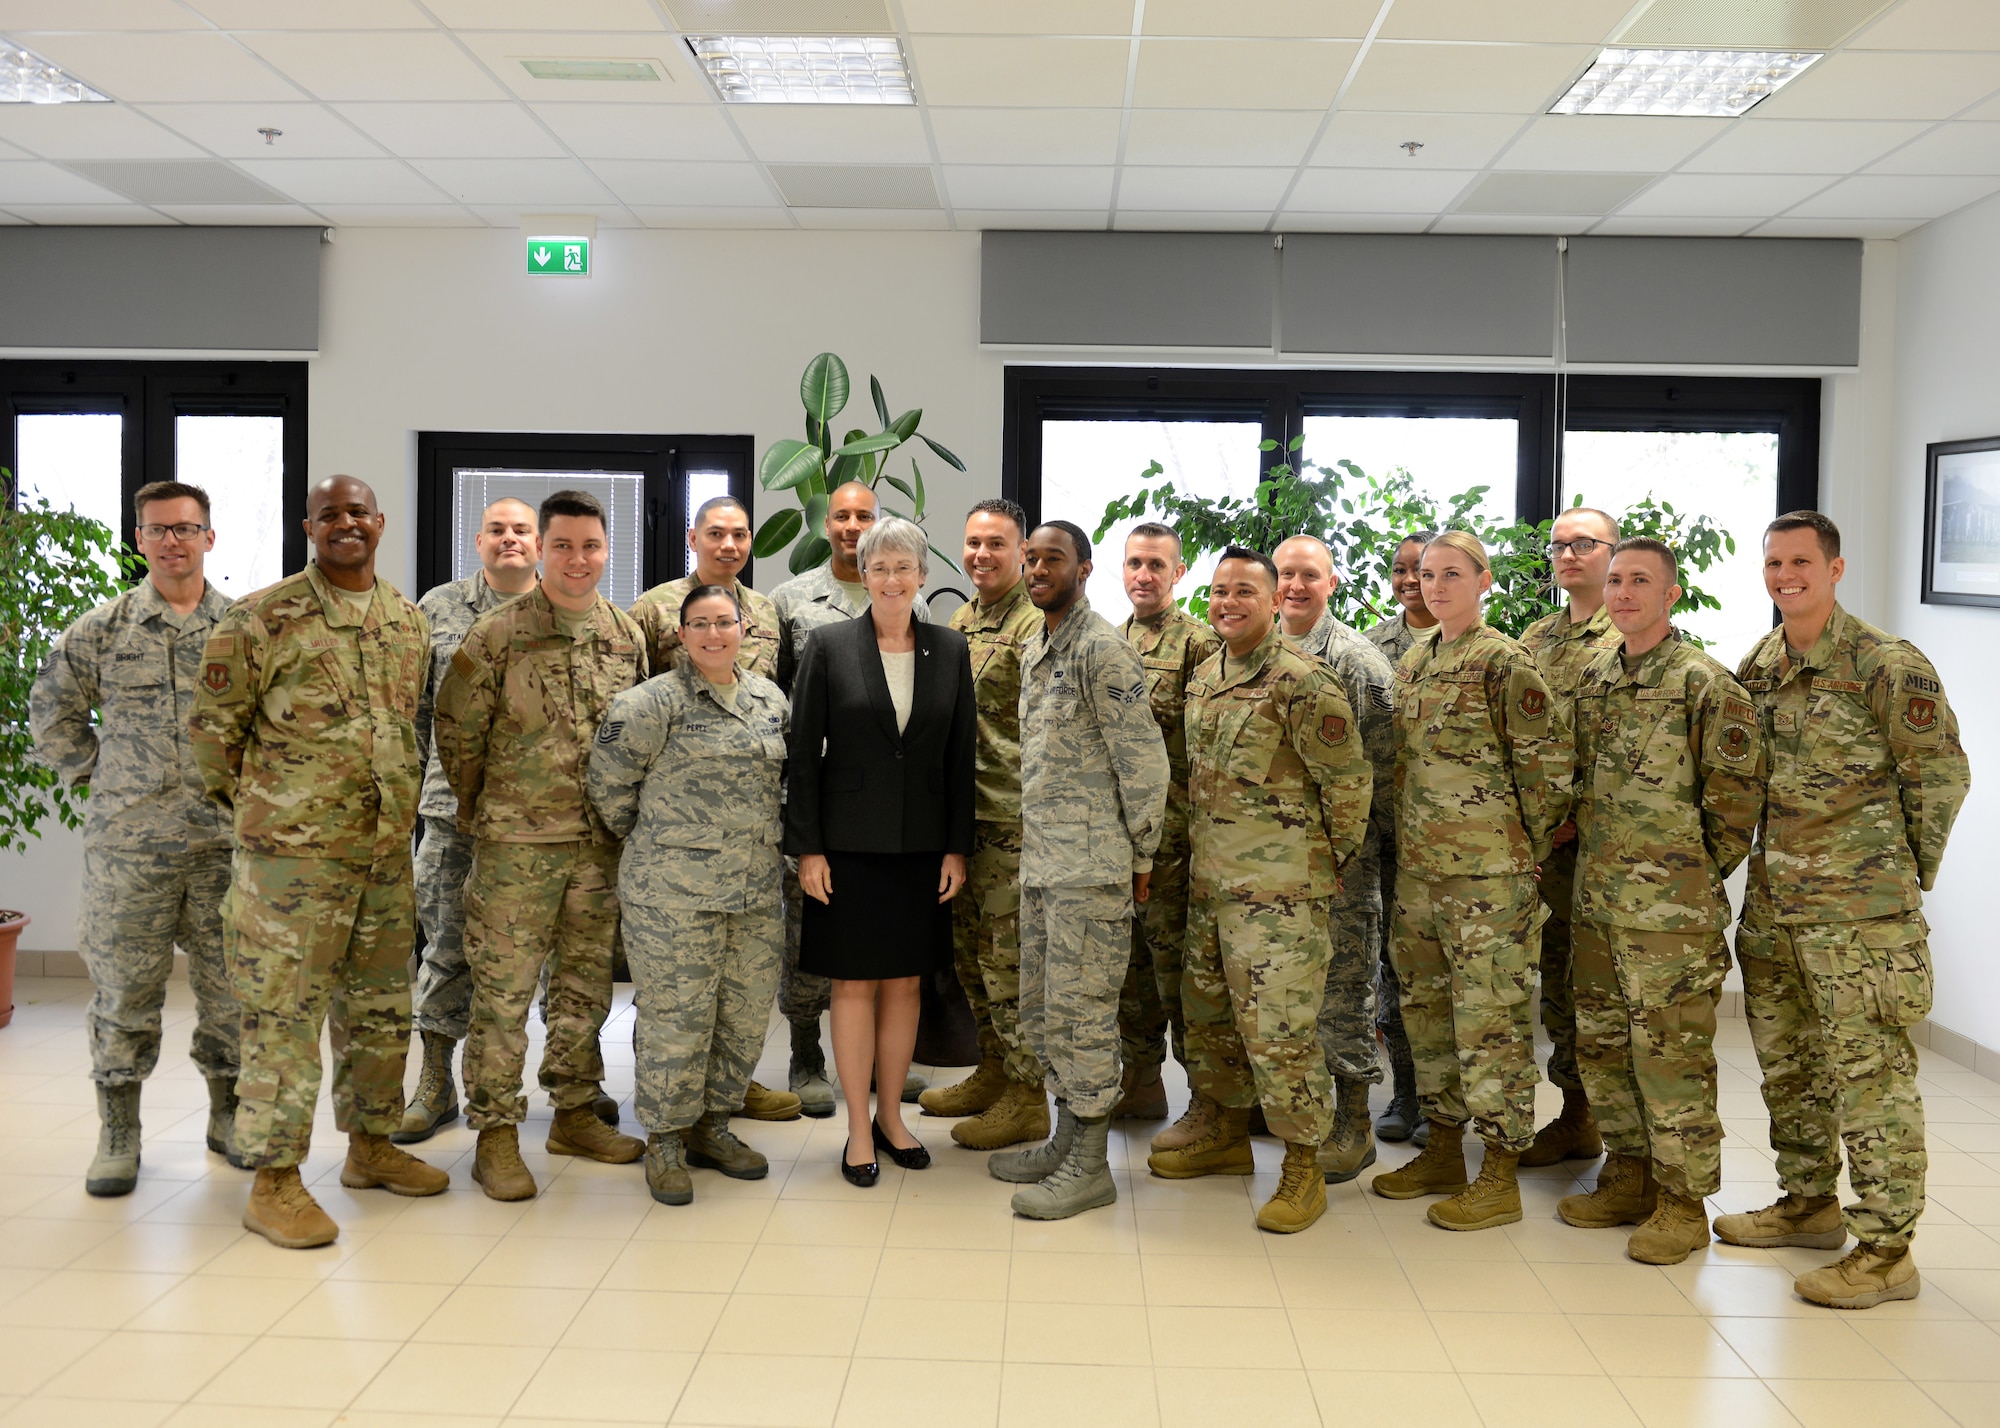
[[1279, 788], [155, 850], [1482, 780], [305, 729], [1347, 1015], [1867, 776], [442, 996], [1393, 637], [658, 616], [691, 780], [986, 915], [1170, 646], [1669, 787], [1094, 777], [1563, 651], [515, 719]]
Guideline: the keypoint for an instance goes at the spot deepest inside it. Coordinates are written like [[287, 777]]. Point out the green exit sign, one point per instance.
[[559, 257]]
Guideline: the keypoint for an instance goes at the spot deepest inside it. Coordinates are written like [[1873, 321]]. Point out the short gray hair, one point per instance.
[[892, 535]]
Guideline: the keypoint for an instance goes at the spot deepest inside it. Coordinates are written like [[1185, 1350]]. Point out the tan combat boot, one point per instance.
[[968, 1097], [373, 1163], [1224, 1150], [1491, 1200], [1195, 1123], [1808, 1221], [1869, 1275], [712, 1145], [1675, 1230], [1438, 1170], [761, 1103], [284, 1212], [497, 1166], [1141, 1097], [1570, 1136], [1020, 1113], [1300, 1198], [578, 1131], [435, 1103], [1351, 1148], [1625, 1195]]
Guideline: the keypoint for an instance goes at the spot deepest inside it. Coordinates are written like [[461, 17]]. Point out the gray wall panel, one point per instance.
[[1767, 301], [1422, 295], [240, 289], [1126, 289]]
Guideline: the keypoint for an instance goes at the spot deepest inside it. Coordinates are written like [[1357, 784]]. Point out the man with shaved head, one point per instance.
[[305, 730]]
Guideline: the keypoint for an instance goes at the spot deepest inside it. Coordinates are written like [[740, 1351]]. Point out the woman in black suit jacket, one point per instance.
[[878, 811]]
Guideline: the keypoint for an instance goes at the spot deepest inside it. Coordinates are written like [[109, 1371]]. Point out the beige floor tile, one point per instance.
[[1199, 1398], [587, 1217], [1547, 1240], [1436, 1401], [1968, 1403], [729, 1389], [452, 1378], [254, 1257], [1548, 1401], [834, 1271], [1733, 1291], [1201, 1232], [1649, 1346], [972, 1329], [957, 1182], [159, 1248], [1705, 1403], [952, 1226], [1365, 1338], [1510, 1343], [1223, 1338], [1835, 1403], [1625, 1288], [1077, 1334], [941, 1274], [222, 1304], [1059, 1278], [827, 1222], [362, 1310], [217, 1415], [161, 1368], [529, 1260], [919, 1393], [85, 1299], [708, 1219], [1823, 1348], [1477, 1286], [645, 1320], [311, 1373], [1240, 1281], [89, 1413], [815, 1325], [1333, 1284], [502, 1314], [1103, 1396], [1345, 1238], [1112, 1231], [1975, 1290], [31, 1356], [671, 1265], [605, 1386], [396, 1258], [1944, 1352], [1413, 1239]]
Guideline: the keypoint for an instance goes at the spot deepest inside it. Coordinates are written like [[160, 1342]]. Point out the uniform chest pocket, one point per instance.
[[1248, 739], [137, 687], [318, 692], [1161, 688], [1464, 724], [524, 698]]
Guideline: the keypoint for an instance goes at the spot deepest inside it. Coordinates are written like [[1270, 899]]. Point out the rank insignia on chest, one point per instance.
[[1332, 729], [216, 678], [1784, 721], [1533, 703], [1920, 715]]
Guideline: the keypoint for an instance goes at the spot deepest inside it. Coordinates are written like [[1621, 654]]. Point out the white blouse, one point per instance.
[[902, 672]]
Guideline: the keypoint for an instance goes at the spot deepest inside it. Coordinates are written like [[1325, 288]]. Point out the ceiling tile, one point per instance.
[[1008, 186], [642, 131], [1514, 223], [541, 14], [238, 215], [1291, 222], [90, 131], [1016, 72], [509, 215], [1375, 191], [35, 182], [1800, 146], [833, 134], [161, 181], [1277, 19], [453, 131], [1837, 227], [663, 184], [307, 131], [1531, 193], [1191, 220], [528, 181], [1026, 136], [1885, 196], [898, 218], [1664, 227], [314, 14], [391, 65], [8, 151], [1241, 74], [773, 217], [1950, 149], [1198, 189], [1934, 25], [1482, 79], [680, 81], [1606, 143], [400, 215], [1588, 22], [1856, 85], [137, 68], [1072, 219], [1724, 195], [21, 17], [1450, 141], [1218, 136], [896, 186], [360, 181], [1018, 17], [91, 215]]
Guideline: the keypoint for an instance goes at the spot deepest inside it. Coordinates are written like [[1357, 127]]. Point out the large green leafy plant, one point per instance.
[[1363, 518], [813, 468], [55, 566]]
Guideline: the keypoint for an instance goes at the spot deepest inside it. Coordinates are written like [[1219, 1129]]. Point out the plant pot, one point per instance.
[[11, 924]]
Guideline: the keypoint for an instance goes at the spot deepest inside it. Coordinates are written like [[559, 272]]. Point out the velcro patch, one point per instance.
[[1757, 686], [1333, 730], [463, 665], [1735, 743], [1920, 715], [1839, 686], [1135, 695], [1378, 695], [609, 731], [1534, 704], [1737, 709], [1920, 683], [216, 678]]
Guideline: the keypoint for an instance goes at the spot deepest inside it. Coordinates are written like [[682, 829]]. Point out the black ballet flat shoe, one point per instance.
[[863, 1176], [915, 1158]]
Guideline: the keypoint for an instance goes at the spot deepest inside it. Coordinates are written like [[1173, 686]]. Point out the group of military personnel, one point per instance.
[[1277, 849]]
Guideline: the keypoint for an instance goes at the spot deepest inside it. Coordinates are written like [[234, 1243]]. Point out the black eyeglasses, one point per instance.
[[1582, 545], [186, 530]]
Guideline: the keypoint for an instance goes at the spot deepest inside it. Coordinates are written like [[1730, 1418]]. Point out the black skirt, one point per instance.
[[884, 919]]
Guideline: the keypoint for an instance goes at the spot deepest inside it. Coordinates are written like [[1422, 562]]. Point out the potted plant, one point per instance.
[[55, 566]]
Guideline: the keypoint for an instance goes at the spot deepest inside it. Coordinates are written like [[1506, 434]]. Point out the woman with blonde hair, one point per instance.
[[1482, 779]]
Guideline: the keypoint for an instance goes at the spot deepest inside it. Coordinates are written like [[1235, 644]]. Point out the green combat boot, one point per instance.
[[1493, 1199], [1037, 1162], [807, 1078], [1351, 1148], [1300, 1198], [222, 1120], [667, 1178], [968, 1097], [435, 1104], [114, 1170], [1223, 1150], [1082, 1182], [712, 1145], [1439, 1170], [1020, 1113], [1570, 1136], [1141, 1097], [1625, 1195], [1807, 1221], [1676, 1229], [1869, 1275]]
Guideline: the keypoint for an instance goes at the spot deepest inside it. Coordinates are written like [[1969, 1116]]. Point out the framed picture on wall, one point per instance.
[[1962, 522]]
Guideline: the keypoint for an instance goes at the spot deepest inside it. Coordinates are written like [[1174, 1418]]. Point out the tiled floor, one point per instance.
[[799, 1300]]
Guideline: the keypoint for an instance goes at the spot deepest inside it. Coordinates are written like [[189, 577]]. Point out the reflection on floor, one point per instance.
[[799, 1300]]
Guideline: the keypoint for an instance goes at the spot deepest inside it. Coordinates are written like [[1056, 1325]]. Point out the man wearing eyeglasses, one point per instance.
[[1564, 644], [155, 850]]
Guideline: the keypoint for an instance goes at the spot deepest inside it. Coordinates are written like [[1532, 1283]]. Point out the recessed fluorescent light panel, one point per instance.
[[590, 69], [782, 69], [1696, 83], [27, 78]]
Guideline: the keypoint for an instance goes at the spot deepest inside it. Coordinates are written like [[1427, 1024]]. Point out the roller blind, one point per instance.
[[1426, 295], [1126, 289]]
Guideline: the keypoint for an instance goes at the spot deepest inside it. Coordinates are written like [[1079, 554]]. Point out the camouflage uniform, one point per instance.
[[515, 718], [1669, 786], [1278, 787], [1094, 777], [1482, 780], [1393, 637], [691, 780], [1867, 775], [305, 728], [1347, 1015], [986, 915], [442, 997], [155, 850], [658, 615], [1563, 651], [1171, 646]]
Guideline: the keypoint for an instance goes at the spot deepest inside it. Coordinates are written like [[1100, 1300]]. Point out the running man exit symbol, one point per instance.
[[559, 257]]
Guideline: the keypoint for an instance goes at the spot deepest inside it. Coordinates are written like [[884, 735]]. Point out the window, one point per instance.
[[240, 462]]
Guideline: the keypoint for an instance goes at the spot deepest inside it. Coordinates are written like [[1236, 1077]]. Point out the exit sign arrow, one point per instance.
[[558, 257], [541, 257]]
